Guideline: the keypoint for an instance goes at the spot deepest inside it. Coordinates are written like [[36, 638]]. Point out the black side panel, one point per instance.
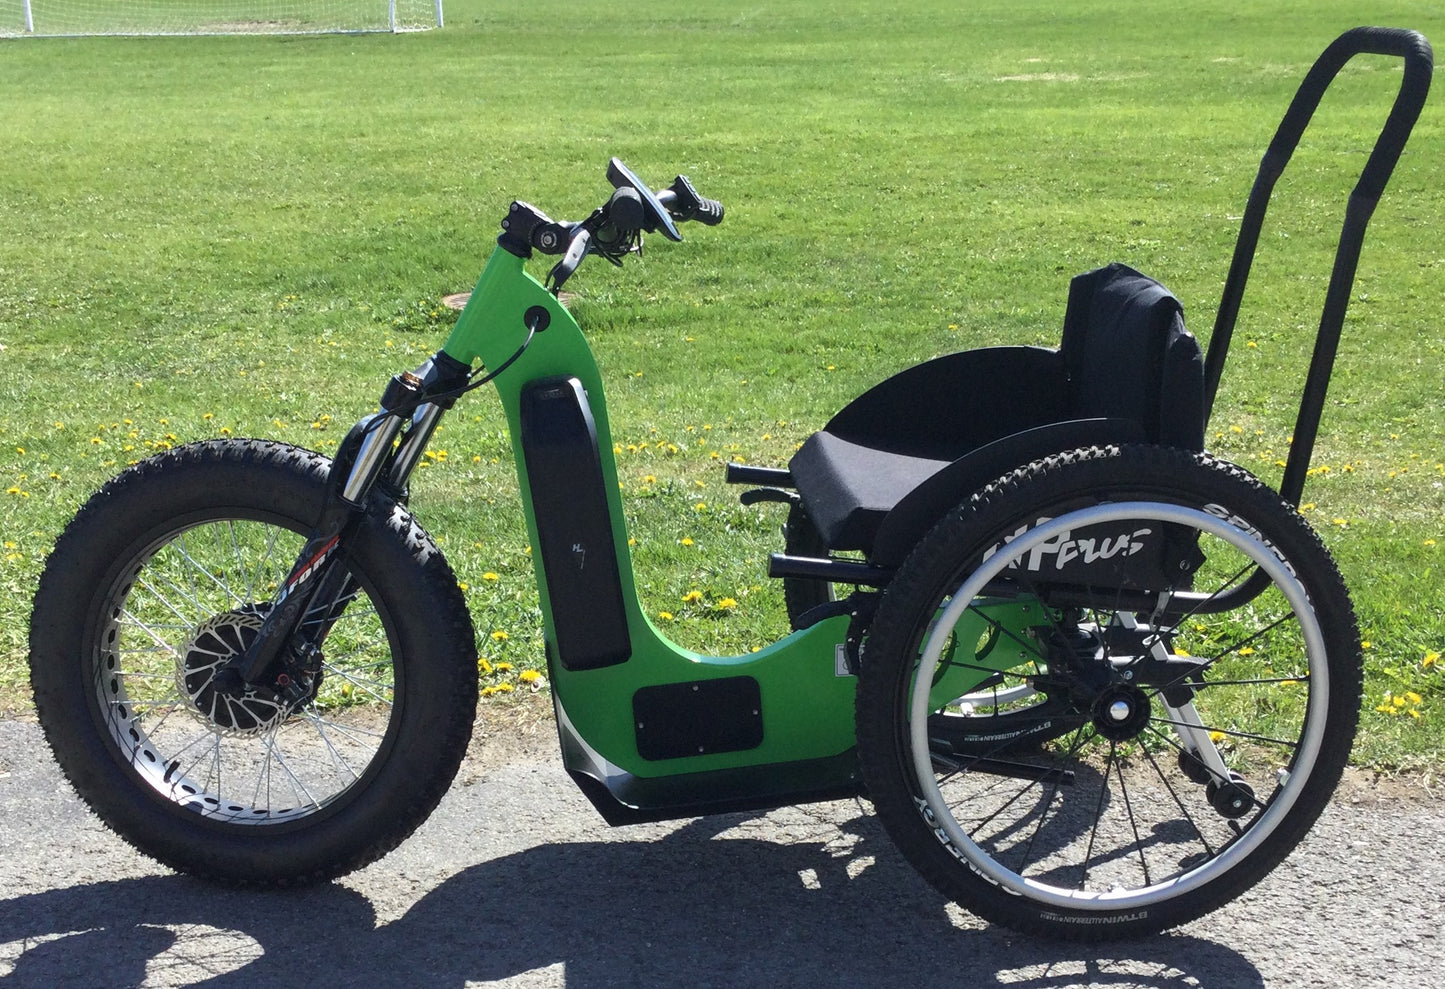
[[569, 497], [702, 717]]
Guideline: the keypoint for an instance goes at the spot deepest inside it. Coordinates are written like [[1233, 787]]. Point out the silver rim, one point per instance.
[[1129, 828], [176, 614]]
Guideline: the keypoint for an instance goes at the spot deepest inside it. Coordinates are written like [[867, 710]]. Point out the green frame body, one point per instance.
[[807, 742]]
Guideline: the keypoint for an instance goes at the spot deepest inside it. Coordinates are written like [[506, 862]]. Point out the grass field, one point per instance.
[[248, 235]]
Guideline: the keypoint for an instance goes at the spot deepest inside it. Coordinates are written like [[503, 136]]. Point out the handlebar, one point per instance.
[[613, 229]]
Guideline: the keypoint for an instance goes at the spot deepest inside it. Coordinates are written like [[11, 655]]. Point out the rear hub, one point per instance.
[[1120, 712]]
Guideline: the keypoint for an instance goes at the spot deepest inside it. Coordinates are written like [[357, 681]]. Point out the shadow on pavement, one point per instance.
[[704, 905]]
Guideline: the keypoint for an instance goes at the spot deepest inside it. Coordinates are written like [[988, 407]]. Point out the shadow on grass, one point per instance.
[[702, 906]]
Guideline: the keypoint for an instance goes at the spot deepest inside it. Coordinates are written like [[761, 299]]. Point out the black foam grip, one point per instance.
[[709, 211]]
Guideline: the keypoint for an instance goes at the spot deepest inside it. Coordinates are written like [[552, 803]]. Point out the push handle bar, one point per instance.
[[1414, 87]]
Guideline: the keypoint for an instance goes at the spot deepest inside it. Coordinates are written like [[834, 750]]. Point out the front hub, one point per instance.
[[218, 695], [1120, 712]]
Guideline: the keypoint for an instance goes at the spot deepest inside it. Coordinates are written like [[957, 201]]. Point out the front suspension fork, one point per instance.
[[285, 654]]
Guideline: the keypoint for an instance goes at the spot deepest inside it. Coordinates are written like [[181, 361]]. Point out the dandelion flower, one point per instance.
[[530, 676], [692, 597], [665, 616], [686, 540], [500, 636], [1431, 658], [491, 576], [727, 604]]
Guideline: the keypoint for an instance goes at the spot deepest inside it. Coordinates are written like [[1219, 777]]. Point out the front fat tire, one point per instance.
[[191, 541], [1014, 851]]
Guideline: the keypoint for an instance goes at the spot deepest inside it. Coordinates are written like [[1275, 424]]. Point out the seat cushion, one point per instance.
[[848, 487]]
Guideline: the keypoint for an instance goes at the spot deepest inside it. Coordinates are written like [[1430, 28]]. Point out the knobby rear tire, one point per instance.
[[1052, 840]]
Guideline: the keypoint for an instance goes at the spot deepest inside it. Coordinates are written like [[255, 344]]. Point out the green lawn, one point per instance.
[[250, 234]]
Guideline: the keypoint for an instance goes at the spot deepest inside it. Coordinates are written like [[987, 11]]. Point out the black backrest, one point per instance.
[[1127, 355]]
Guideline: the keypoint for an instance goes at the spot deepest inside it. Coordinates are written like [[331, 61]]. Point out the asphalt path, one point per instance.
[[516, 881]]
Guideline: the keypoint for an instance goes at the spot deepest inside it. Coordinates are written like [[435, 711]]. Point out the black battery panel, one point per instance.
[[574, 527]]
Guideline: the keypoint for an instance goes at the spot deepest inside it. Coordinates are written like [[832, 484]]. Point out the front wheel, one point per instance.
[[166, 574], [1197, 673]]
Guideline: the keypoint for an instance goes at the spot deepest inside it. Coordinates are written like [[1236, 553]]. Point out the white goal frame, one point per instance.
[[18, 18]]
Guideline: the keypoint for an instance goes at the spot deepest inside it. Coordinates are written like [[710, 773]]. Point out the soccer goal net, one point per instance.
[[61, 18]]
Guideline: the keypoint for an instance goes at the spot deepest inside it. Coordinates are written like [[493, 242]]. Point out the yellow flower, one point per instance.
[[504, 667], [490, 576], [530, 676], [1413, 697], [686, 540], [483, 665], [692, 597], [1431, 658], [727, 604], [665, 616], [500, 636]]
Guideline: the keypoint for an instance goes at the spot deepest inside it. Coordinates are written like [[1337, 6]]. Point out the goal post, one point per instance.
[[74, 18]]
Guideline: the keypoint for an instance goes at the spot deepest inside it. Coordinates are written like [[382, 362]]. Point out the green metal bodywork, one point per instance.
[[807, 706]]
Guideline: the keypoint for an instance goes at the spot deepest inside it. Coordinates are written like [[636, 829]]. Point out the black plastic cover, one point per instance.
[[574, 527], [701, 717]]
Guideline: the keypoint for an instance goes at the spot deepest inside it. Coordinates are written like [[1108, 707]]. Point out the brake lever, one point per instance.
[[576, 250]]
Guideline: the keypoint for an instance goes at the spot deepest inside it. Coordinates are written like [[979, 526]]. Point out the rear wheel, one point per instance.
[[1188, 732], [167, 574]]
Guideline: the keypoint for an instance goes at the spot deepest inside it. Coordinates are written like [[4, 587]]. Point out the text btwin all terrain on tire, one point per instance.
[[165, 574]]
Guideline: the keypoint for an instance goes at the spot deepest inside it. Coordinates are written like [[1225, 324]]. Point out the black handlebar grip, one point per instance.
[[688, 205], [709, 211], [624, 210]]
